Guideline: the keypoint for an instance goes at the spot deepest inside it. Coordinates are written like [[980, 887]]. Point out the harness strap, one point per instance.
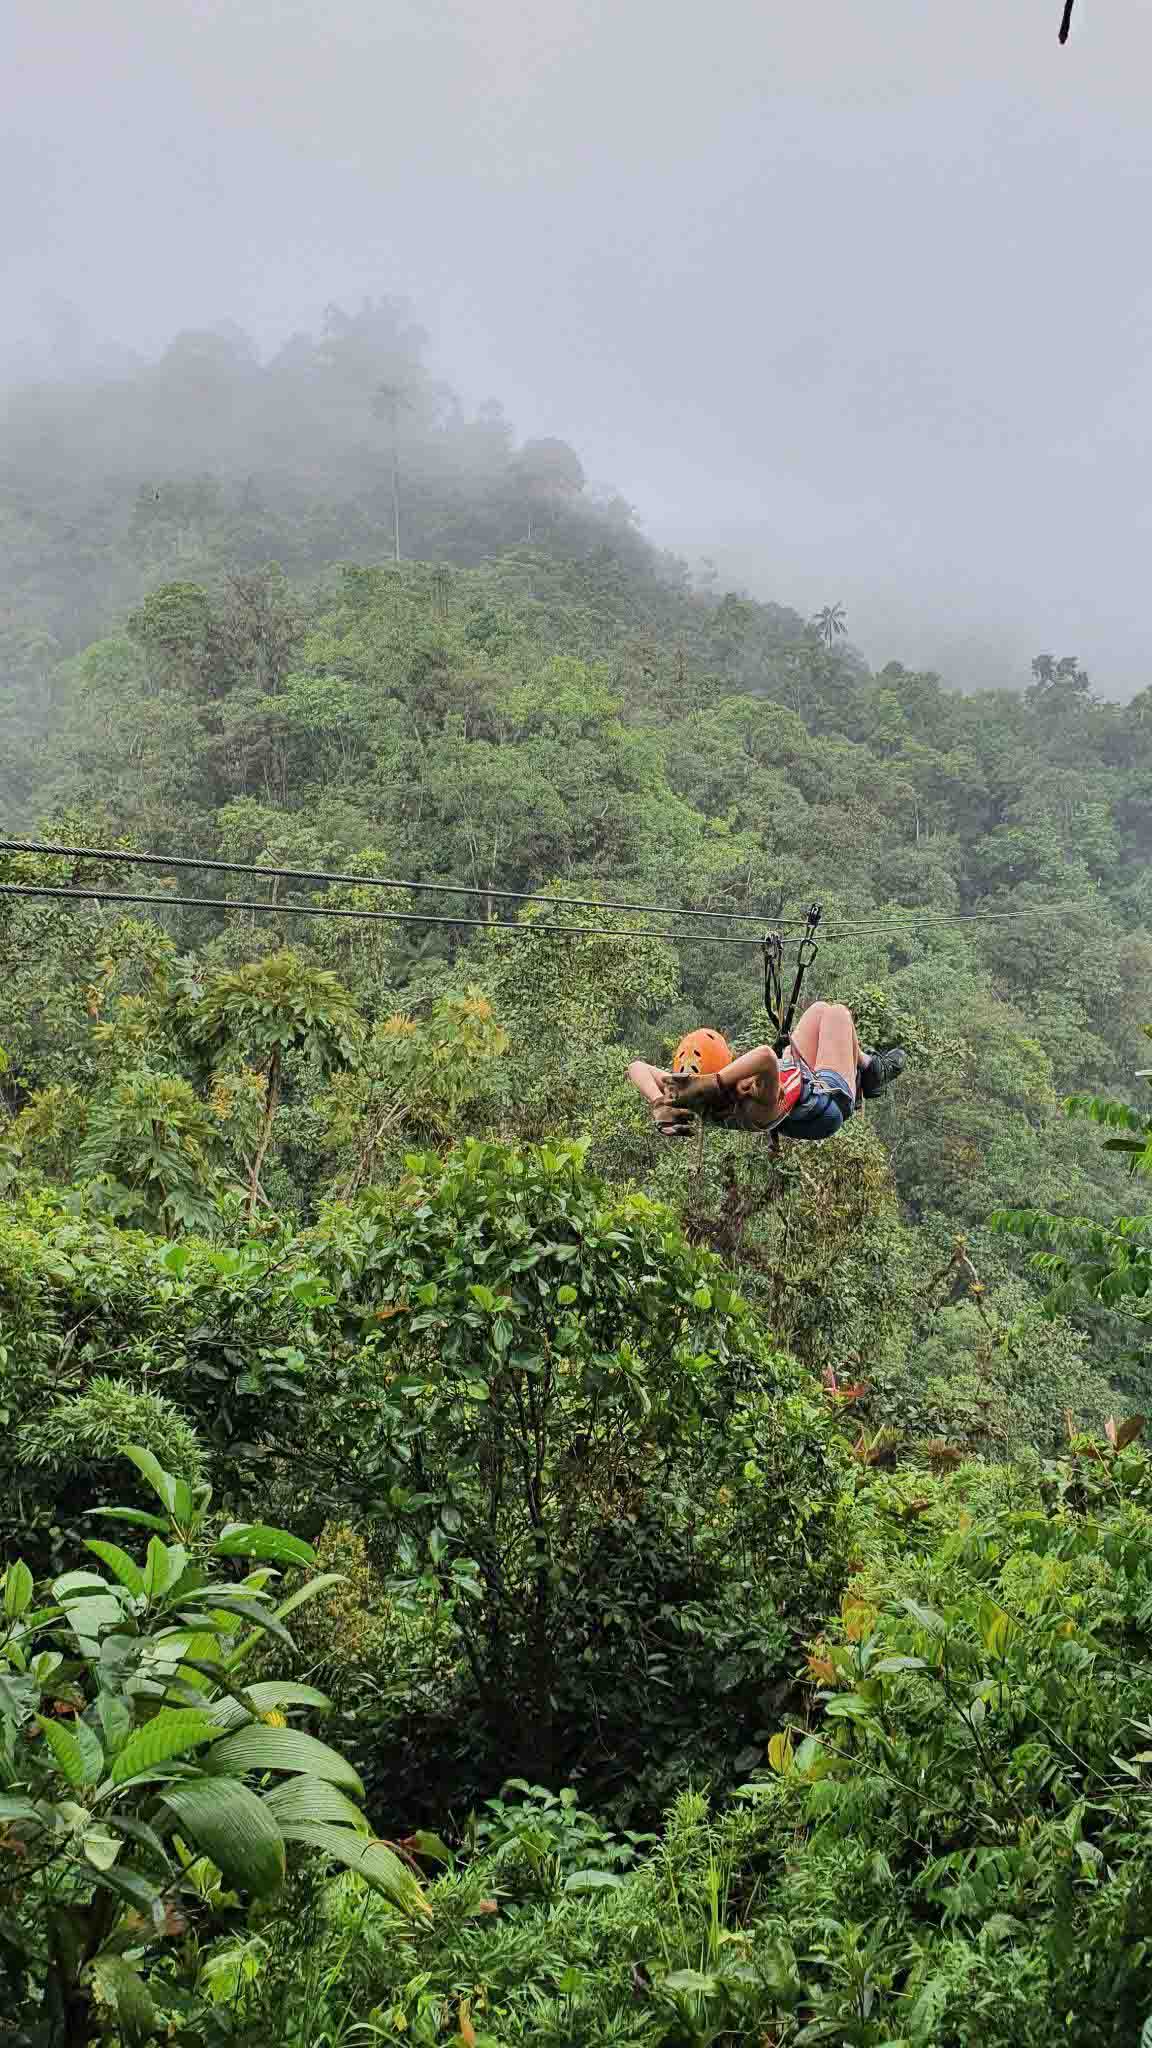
[[806, 952]]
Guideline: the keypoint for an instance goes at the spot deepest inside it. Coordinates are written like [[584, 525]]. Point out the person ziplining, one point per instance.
[[805, 1086], [808, 1092]]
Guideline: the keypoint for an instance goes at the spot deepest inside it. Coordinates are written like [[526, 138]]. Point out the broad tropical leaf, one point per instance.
[[308, 1592], [266, 1697], [313, 1799], [257, 1747], [164, 1566], [256, 1539], [91, 1616], [252, 1610], [230, 1824], [173, 1732], [120, 1987], [91, 1751], [375, 1862], [65, 1748], [162, 1483], [13, 1807], [19, 1697], [138, 1517], [119, 1563], [18, 1583]]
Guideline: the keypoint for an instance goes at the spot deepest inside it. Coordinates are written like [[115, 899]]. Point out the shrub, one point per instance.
[[587, 1455], [135, 1763]]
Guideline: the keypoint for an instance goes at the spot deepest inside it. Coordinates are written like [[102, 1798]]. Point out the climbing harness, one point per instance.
[[706, 1052], [781, 1018]]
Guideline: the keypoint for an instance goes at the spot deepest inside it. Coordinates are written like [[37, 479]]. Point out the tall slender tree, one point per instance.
[[828, 623], [389, 400]]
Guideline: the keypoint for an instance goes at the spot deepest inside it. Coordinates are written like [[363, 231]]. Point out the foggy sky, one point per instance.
[[851, 295]]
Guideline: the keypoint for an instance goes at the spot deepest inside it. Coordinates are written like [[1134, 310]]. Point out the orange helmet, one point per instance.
[[701, 1052]]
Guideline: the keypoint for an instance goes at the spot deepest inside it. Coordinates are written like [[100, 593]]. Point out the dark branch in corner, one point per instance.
[[1066, 21]]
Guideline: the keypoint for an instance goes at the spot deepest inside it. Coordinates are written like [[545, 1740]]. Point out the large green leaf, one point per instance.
[[115, 1720], [91, 1751], [227, 1822], [592, 1880], [90, 1614], [137, 1516], [117, 1985], [76, 1584], [162, 1483], [179, 1653], [101, 1847], [308, 1592], [119, 1563], [65, 1748], [19, 1697], [260, 1748], [253, 1610], [165, 1566], [690, 1980], [13, 1806], [18, 1584], [231, 1713], [257, 1539], [288, 1606], [174, 1731], [313, 1799], [139, 1831], [375, 1862], [131, 1885]]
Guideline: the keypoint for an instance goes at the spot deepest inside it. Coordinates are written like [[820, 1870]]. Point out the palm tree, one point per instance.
[[386, 404], [828, 623]]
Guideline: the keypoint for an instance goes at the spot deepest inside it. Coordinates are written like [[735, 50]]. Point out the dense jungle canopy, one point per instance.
[[726, 1574]]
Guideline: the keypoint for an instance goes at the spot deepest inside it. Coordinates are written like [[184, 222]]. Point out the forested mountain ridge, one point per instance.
[[340, 446], [613, 1468], [586, 723]]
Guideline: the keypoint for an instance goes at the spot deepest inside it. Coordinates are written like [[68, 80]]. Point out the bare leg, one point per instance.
[[826, 1037]]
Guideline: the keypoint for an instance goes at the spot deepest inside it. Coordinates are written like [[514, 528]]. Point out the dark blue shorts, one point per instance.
[[827, 1102]]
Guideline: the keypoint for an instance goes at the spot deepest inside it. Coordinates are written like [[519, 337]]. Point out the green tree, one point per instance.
[[829, 623], [1079, 1258], [387, 403], [156, 1148], [265, 1013], [590, 1456]]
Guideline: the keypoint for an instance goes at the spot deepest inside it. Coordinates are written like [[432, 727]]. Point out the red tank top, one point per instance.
[[791, 1086]]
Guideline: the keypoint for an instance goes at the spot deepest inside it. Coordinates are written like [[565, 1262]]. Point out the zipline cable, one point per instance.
[[891, 922], [235, 867], [592, 931], [95, 894]]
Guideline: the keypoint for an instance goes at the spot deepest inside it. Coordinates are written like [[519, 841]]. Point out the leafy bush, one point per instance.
[[586, 1455], [94, 1427], [128, 1742]]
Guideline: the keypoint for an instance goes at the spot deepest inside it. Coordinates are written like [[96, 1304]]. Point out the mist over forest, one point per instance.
[[575, 1588], [118, 468], [210, 457]]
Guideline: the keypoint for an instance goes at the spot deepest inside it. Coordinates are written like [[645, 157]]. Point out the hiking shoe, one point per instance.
[[670, 1122], [880, 1069]]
